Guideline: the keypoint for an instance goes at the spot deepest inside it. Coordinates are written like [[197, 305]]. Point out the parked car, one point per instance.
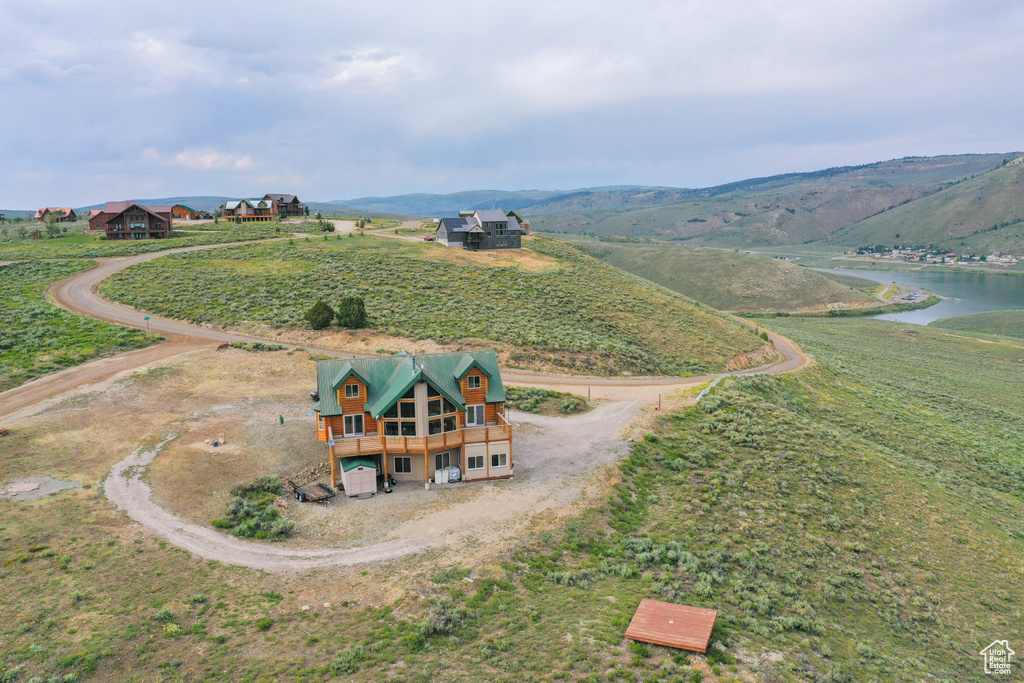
[[428, 238], [315, 394]]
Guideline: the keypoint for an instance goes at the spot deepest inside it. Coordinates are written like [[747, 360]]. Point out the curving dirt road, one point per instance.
[[582, 444], [553, 458]]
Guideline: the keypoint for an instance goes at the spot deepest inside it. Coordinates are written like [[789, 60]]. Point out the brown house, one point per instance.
[[132, 221], [415, 418], [180, 212], [287, 204], [250, 210], [57, 213]]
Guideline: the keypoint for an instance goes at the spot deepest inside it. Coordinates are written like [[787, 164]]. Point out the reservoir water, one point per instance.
[[966, 292]]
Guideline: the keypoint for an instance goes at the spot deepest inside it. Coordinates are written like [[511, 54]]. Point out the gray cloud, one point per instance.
[[106, 100]]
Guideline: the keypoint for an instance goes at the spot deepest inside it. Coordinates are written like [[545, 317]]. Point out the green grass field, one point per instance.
[[36, 337], [724, 279], [860, 520], [82, 245], [562, 308], [1006, 323]]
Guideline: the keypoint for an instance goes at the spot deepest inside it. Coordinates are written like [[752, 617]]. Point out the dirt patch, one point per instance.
[[763, 355], [33, 488]]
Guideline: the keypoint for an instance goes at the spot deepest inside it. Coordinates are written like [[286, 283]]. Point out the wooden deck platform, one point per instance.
[[662, 623]]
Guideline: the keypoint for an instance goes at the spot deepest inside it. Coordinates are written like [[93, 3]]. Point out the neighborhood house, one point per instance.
[[250, 210], [480, 230], [56, 213], [414, 417], [132, 221], [287, 204], [180, 212]]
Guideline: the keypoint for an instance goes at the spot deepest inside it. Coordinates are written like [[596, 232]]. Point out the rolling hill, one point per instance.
[[786, 209], [726, 280], [1006, 323], [985, 212]]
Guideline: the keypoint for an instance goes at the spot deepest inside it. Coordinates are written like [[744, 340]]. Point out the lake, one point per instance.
[[967, 292]]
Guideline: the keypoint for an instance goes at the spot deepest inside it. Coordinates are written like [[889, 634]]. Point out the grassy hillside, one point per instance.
[[726, 280], [785, 209], [1007, 323], [987, 210], [858, 521], [36, 337], [551, 305]]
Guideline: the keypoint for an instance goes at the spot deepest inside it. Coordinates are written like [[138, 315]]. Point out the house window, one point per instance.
[[353, 425], [442, 460], [351, 391], [435, 426], [475, 462], [403, 465], [320, 422], [473, 382], [474, 416], [499, 459]]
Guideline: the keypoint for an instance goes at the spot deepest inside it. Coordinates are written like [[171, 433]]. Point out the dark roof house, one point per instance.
[[480, 230], [287, 204], [131, 220]]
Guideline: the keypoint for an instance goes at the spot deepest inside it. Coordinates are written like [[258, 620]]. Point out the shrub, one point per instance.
[[320, 315], [352, 312], [264, 624]]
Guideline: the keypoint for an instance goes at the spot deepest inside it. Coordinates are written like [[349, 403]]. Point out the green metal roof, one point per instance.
[[388, 379], [354, 462]]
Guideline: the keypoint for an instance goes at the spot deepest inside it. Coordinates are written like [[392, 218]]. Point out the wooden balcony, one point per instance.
[[371, 444]]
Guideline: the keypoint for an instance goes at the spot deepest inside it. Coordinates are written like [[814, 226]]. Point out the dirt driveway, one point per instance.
[[559, 463]]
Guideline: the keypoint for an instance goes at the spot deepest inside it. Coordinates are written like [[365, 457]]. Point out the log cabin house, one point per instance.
[[250, 210], [287, 204], [180, 212], [132, 221], [57, 213], [413, 415]]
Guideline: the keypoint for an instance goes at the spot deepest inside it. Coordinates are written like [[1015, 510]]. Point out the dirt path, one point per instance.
[[555, 460]]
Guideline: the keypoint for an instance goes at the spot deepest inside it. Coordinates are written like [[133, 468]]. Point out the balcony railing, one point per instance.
[[370, 444]]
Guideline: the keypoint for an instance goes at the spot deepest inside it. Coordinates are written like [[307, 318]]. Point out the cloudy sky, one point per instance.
[[332, 100]]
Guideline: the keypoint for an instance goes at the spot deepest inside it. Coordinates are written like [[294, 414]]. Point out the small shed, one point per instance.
[[358, 476], [662, 623]]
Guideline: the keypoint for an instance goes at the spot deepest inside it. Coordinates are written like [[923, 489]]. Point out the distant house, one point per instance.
[[132, 221], [287, 204], [250, 210], [414, 417], [57, 213], [180, 212], [480, 230]]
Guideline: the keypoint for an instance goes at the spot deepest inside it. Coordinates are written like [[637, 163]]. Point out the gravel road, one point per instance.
[[555, 460]]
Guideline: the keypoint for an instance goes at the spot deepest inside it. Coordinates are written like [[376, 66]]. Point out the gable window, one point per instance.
[[403, 465], [351, 391], [475, 462], [499, 459], [473, 382], [353, 425], [474, 416]]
